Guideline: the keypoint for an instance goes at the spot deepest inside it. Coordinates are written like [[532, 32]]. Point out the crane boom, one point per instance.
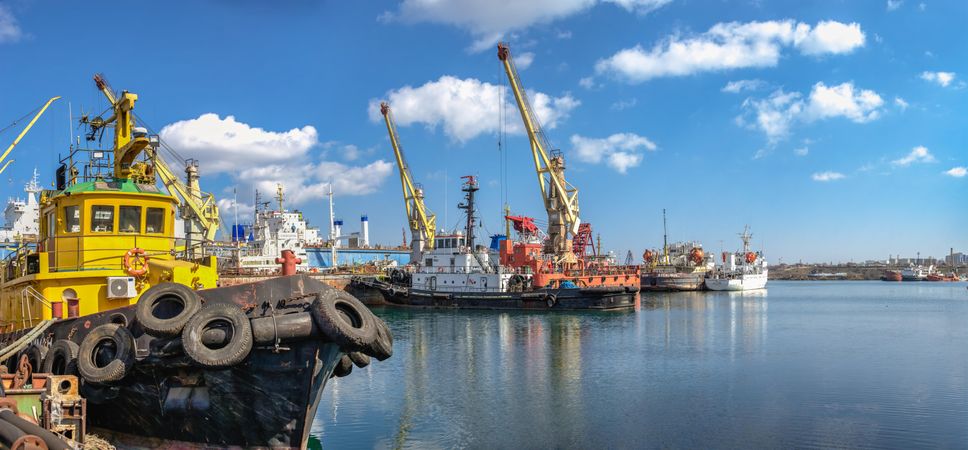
[[422, 222], [25, 130], [560, 197], [127, 146]]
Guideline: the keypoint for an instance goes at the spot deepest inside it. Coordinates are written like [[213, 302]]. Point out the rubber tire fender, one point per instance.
[[124, 355], [166, 292], [239, 343], [551, 300], [382, 347], [65, 350], [343, 368], [344, 320], [359, 359]]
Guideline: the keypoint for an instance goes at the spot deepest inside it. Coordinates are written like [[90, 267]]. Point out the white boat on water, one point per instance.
[[740, 271]]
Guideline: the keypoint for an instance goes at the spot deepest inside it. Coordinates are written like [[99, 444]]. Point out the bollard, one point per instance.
[[57, 309], [288, 261]]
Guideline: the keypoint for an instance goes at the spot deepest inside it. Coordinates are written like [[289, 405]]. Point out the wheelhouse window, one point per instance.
[[155, 220], [102, 218], [72, 219], [129, 219]]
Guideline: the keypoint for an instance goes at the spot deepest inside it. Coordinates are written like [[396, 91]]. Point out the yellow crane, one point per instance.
[[422, 222], [24, 133], [560, 197], [200, 208]]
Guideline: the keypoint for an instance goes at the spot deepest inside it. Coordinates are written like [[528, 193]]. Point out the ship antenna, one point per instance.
[[665, 238]]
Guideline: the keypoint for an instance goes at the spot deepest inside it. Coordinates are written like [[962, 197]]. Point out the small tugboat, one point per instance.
[[916, 273], [459, 273], [748, 274], [165, 357]]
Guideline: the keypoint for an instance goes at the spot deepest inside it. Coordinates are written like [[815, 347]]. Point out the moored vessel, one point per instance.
[[165, 357], [892, 275], [740, 271], [457, 272]]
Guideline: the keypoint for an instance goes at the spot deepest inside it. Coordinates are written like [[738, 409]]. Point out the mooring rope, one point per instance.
[[24, 340]]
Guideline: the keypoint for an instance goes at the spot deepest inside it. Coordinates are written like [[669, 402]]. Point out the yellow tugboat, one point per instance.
[[166, 358]]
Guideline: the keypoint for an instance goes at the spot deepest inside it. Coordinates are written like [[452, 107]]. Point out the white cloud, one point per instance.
[[9, 29], [227, 208], [802, 151], [942, 78], [587, 82], [919, 154], [735, 87], [467, 108], [621, 151], [957, 172], [524, 60], [893, 5], [489, 21], [901, 103], [776, 114], [227, 145], [564, 34], [827, 176], [731, 45], [258, 159], [622, 105]]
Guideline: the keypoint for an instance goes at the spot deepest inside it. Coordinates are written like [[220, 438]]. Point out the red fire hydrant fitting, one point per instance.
[[288, 261]]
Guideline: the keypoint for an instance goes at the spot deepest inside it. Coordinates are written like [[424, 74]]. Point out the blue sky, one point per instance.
[[834, 129]]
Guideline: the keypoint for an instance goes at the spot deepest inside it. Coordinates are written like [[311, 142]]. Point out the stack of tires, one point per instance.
[[216, 334]]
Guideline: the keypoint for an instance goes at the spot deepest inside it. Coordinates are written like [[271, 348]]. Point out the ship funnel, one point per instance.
[[364, 231]]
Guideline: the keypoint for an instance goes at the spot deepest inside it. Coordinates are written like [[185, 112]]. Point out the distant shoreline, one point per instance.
[[801, 272]]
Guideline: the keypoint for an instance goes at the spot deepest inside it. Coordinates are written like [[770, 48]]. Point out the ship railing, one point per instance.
[[27, 296]]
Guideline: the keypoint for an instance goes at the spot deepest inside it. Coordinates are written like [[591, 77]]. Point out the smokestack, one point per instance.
[[364, 231], [338, 231]]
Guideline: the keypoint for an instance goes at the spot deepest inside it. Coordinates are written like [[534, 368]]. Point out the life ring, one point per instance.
[[137, 254]]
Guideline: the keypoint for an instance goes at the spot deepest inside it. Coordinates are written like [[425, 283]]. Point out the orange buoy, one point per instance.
[[647, 256], [750, 257], [132, 258]]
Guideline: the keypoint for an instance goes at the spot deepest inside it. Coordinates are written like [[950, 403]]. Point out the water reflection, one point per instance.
[[786, 367]]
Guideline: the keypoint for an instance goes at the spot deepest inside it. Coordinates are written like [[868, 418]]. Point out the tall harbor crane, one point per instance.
[[24, 132], [198, 208], [423, 223], [560, 197]]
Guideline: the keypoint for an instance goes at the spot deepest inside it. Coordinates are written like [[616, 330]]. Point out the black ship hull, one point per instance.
[[604, 298], [674, 281], [166, 401]]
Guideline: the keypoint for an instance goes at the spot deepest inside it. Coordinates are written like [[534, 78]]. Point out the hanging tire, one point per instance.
[[343, 368], [382, 347], [164, 309], [62, 358], [106, 354], [345, 320], [359, 359], [551, 300], [223, 316]]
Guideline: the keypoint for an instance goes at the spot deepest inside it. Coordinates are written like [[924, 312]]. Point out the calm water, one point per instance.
[[802, 364]]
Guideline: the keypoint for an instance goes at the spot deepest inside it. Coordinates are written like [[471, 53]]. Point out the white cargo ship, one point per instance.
[[740, 271]]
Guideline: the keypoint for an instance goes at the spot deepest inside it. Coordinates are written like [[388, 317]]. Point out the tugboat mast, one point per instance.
[[470, 187]]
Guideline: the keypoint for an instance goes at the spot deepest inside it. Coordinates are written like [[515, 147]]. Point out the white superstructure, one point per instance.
[[21, 215], [740, 271], [452, 266], [274, 231]]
